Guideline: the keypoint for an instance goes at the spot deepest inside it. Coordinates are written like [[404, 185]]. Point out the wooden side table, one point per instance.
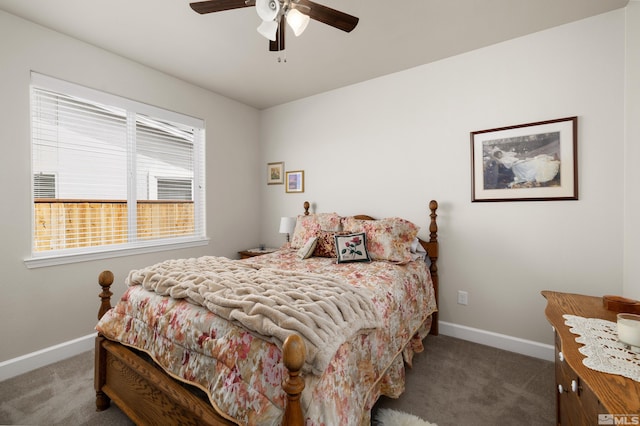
[[582, 393], [255, 252]]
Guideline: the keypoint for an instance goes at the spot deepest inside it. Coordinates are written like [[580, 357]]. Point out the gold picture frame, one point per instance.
[[295, 181], [275, 173]]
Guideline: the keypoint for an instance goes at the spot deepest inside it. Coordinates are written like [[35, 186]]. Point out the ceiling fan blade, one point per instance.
[[278, 44], [329, 16], [210, 6]]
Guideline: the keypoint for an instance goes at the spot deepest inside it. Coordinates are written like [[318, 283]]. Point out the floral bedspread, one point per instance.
[[242, 374]]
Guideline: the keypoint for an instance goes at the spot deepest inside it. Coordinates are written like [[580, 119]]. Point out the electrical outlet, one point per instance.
[[463, 297]]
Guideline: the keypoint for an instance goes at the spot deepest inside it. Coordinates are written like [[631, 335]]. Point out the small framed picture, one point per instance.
[[275, 173], [295, 181], [527, 162]]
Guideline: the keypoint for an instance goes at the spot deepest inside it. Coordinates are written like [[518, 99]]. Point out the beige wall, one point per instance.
[[385, 147], [632, 153], [43, 307]]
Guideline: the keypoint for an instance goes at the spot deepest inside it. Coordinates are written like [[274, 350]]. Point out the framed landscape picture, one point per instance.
[[527, 162], [295, 181]]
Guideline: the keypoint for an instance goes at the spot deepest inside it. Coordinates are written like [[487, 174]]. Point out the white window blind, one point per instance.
[[126, 174]]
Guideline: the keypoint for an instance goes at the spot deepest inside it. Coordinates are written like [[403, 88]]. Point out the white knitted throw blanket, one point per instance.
[[324, 310]]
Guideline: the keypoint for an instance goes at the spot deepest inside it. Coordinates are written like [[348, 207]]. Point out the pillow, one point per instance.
[[307, 249], [329, 221], [390, 239], [351, 224], [417, 251], [352, 248], [309, 225], [326, 246], [415, 244], [306, 227]]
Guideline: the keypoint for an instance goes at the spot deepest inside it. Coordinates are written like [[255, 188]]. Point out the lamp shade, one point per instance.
[[267, 9], [298, 21], [268, 29], [287, 225]]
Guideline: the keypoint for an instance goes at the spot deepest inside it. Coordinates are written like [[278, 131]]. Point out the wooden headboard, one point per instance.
[[431, 246]]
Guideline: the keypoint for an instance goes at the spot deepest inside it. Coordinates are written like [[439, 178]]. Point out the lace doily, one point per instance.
[[602, 349]]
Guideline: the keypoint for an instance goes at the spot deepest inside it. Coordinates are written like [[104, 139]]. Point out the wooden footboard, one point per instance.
[[149, 396], [145, 394]]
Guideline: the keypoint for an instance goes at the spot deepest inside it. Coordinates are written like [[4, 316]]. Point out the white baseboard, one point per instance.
[[25, 363], [496, 340]]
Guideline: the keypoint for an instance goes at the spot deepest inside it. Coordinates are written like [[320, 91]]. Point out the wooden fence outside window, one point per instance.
[[64, 224]]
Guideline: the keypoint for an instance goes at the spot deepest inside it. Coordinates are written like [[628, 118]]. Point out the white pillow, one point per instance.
[[418, 252], [307, 249], [415, 244]]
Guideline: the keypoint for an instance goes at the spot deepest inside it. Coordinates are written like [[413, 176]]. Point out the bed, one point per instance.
[[182, 346]]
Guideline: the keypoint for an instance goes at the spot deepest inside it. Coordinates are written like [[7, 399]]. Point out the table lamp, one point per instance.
[[287, 225]]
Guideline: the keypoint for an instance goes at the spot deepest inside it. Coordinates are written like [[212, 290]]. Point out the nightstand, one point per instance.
[[255, 252]]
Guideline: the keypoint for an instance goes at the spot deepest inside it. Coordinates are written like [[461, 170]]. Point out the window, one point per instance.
[[174, 189], [44, 185], [111, 174]]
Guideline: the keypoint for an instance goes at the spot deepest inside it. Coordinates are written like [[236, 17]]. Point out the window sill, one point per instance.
[[44, 260]]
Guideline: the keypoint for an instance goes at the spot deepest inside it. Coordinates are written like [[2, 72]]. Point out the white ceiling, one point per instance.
[[224, 53]]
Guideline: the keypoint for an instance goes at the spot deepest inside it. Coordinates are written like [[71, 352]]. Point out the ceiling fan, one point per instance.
[[274, 14]]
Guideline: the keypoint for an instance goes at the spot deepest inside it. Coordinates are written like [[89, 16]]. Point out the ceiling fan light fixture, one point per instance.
[[298, 21], [273, 13], [268, 10], [268, 29]]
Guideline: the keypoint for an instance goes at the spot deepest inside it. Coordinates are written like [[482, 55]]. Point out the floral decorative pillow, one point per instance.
[[329, 221], [308, 248], [326, 246], [308, 226], [351, 224], [352, 248], [390, 239]]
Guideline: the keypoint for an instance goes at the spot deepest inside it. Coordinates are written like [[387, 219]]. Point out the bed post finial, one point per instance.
[[105, 279], [433, 226], [306, 208], [293, 355]]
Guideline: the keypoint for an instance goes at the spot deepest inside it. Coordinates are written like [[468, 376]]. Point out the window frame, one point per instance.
[[199, 238]]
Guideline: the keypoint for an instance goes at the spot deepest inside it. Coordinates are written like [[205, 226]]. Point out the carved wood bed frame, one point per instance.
[[148, 395]]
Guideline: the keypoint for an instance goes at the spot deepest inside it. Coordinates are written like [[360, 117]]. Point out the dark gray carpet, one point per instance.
[[59, 394], [454, 382]]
